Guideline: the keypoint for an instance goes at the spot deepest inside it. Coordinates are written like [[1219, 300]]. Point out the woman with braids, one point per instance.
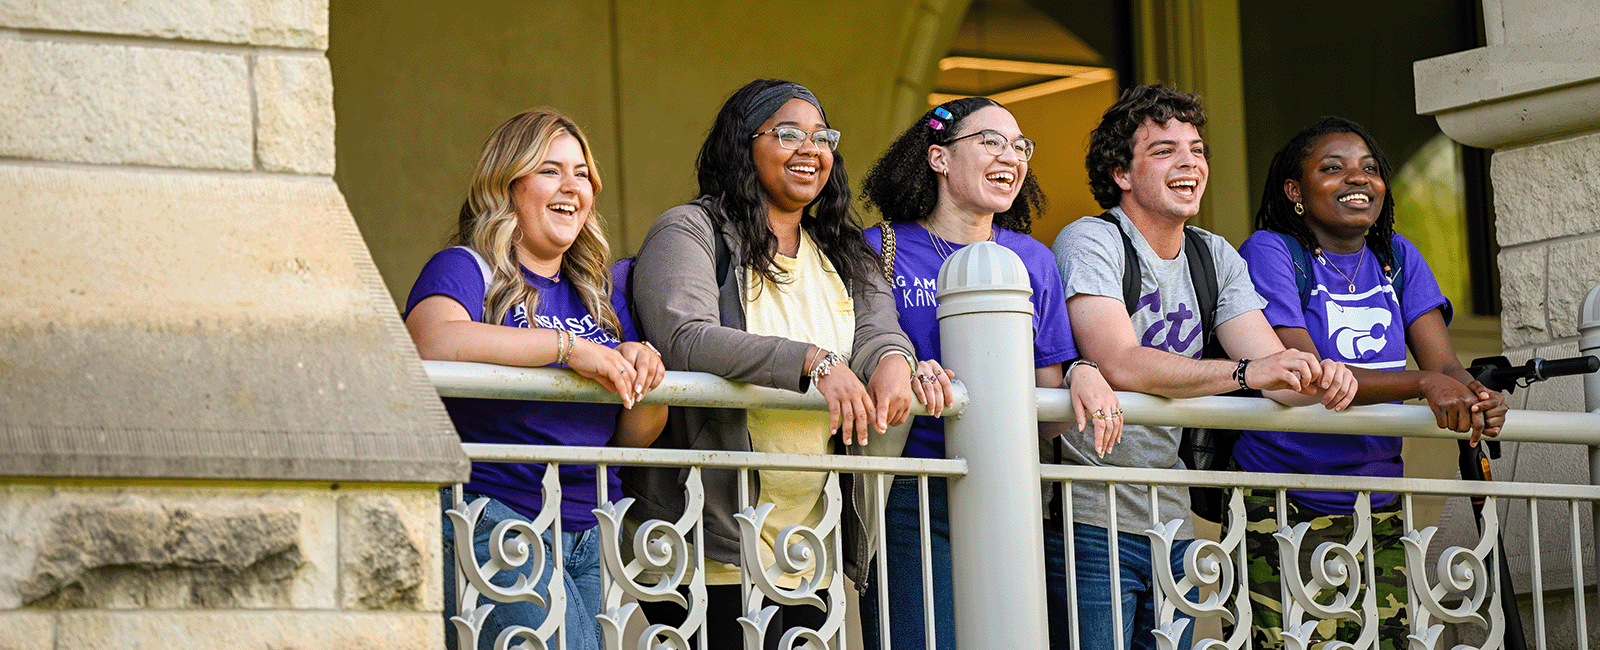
[[765, 279], [1341, 284], [527, 284], [960, 175]]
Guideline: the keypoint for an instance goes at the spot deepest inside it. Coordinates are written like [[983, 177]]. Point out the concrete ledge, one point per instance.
[[1507, 94], [250, 631], [187, 325], [282, 23], [119, 105]]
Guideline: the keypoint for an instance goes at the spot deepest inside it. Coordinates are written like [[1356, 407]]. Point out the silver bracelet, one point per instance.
[[909, 361], [825, 365], [1078, 362]]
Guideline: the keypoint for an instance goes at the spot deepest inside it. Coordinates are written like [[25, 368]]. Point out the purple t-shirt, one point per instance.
[[916, 266], [454, 273], [1365, 328]]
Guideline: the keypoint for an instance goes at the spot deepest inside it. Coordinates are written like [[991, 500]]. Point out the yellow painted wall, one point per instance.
[[1060, 123], [417, 88]]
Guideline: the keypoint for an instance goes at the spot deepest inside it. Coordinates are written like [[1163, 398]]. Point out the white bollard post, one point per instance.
[[996, 522]]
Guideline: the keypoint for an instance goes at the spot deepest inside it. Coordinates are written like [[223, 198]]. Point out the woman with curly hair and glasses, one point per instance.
[[1340, 283], [527, 284], [960, 175], [765, 279]]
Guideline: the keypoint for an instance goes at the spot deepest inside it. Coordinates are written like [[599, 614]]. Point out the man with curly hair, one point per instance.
[[1148, 166]]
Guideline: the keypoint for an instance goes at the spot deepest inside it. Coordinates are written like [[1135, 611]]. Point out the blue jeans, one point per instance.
[[581, 578], [903, 538], [1094, 588]]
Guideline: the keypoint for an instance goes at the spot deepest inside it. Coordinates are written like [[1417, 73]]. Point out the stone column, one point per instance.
[[215, 431], [1533, 96]]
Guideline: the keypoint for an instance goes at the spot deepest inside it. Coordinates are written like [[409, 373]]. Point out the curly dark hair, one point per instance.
[[1111, 143], [1277, 211], [904, 188], [727, 173]]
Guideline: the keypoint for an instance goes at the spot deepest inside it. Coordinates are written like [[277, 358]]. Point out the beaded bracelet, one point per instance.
[[564, 345]]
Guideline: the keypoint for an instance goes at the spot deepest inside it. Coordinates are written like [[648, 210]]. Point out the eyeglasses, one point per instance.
[[790, 137], [996, 144]]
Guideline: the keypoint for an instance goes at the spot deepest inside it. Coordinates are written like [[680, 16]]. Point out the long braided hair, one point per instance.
[[904, 188], [1277, 211]]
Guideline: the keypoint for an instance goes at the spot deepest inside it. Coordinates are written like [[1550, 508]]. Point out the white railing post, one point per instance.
[[1589, 343], [996, 529]]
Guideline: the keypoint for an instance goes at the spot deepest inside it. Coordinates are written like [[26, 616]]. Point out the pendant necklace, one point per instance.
[[943, 246], [1331, 265]]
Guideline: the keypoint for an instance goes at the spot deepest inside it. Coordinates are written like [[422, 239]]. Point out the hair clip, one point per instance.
[[935, 124], [942, 113]]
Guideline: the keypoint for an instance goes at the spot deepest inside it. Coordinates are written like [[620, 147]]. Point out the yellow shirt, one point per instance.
[[812, 305]]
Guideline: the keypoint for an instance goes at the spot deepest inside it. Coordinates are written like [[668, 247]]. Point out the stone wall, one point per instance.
[[216, 432], [197, 566]]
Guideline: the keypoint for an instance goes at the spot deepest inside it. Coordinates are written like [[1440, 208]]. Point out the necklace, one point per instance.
[[1331, 265], [943, 246]]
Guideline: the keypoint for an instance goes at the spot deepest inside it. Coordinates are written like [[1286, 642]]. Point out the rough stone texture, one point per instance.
[[1522, 290], [232, 327], [389, 551], [114, 104], [283, 23], [1574, 270], [166, 548], [250, 631], [27, 631], [1535, 193], [294, 127]]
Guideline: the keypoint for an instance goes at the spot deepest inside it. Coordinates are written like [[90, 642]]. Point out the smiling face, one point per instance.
[[1340, 186], [973, 180], [791, 178], [552, 202], [1167, 175]]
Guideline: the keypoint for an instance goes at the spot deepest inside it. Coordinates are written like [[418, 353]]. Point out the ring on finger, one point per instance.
[[1100, 414]]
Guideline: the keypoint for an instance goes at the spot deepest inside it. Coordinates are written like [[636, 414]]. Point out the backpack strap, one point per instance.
[[1203, 275], [1302, 267], [887, 256], [1130, 265], [488, 276], [1397, 278]]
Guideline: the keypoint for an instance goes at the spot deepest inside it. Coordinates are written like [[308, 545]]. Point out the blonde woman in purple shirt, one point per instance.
[[527, 284]]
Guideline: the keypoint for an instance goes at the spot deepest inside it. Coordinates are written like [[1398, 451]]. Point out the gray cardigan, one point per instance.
[[698, 325]]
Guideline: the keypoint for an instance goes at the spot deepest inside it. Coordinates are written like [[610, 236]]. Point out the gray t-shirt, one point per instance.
[[1090, 254]]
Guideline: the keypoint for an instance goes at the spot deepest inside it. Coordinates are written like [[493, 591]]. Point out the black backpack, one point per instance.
[[1199, 448]]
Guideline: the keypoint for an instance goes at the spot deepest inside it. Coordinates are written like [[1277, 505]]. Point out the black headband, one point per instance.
[[770, 100]]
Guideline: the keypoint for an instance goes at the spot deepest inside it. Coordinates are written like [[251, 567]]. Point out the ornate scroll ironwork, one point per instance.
[[1210, 566], [800, 551], [513, 544], [1467, 575], [659, 549]]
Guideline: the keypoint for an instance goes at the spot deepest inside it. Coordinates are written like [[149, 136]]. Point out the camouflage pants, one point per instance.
[[1265, 594]]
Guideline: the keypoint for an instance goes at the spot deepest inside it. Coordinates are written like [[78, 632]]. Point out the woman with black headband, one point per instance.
[[765, 279]]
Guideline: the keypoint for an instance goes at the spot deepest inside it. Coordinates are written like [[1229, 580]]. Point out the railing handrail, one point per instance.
[[679, 388], [633, 456], [482, 380]]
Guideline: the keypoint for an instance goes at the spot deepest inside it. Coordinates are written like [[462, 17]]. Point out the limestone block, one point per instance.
[[1538, 194], [167, 548], [251, 631], [1574, 270], [1522, 291], [24, 630], [294, 116], [389, 550], [187, 325], [282, 23], [113, 104]]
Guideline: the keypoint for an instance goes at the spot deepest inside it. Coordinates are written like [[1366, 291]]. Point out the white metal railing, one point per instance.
[[1000, 593]]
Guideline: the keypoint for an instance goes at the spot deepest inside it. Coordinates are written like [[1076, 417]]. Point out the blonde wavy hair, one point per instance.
[[488, 220]]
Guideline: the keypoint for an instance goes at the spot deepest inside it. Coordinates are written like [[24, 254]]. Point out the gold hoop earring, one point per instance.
[[1298, 208]]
